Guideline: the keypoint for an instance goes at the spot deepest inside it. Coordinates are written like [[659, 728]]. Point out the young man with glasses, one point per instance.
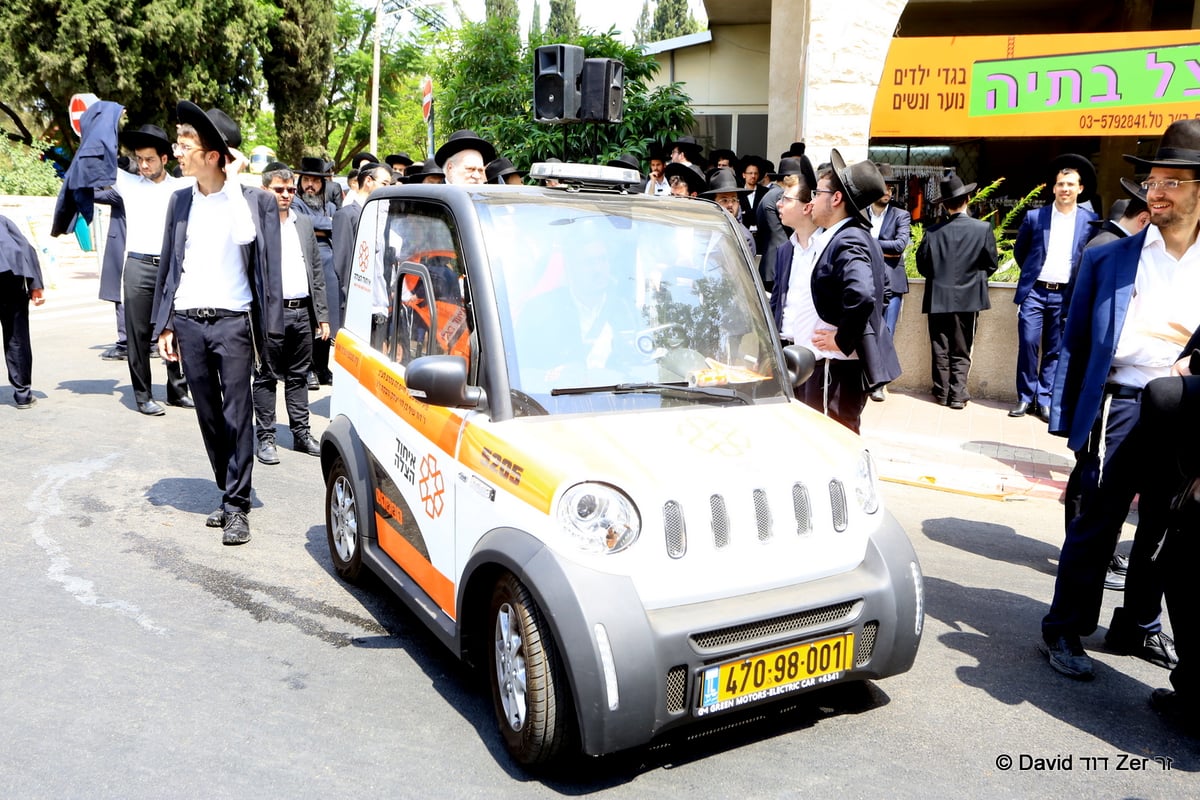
[[218, 300], [302, 277], [1132, 310]]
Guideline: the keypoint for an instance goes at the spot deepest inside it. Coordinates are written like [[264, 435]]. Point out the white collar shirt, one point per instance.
[[293, 271], [146, 209], [214, 273], [1057, 266]]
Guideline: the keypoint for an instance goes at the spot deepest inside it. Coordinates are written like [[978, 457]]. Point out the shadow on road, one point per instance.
[[994, 542], [193, 495]]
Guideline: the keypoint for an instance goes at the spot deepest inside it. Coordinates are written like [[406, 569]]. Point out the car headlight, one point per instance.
[[599, 518], [866, 483]]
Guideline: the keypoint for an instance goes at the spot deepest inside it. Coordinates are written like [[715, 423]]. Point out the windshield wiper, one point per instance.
[[679, 388]]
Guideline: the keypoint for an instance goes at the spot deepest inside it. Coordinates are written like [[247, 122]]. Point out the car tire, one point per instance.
[[529, 689], [344, 518]]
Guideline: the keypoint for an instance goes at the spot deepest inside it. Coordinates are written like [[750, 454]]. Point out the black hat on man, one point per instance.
[[147, 136], [216, 130], [464, 140], [398, 158], [313, 166], [418, 172], [796, 165], [722, 180], [500, 168], [722, 152], [358, 159], [795, 149], [951, 189], [686, 145], [763, 165], [889, 174], [1087, 173], [1179, 147], [690, 174], [861, 184]]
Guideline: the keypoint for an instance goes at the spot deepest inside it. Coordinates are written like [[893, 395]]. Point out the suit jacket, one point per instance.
[[772, 233], [1107, 232], [848, 290], [94, 165], [18, 256], [894, 235], [1033, 240], [345, 231], [314, 267], [1103, 287], [114, 250], [748, 210], [955, 258], [260, 257]]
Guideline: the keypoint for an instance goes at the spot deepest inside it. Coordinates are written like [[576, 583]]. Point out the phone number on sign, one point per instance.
[[1121, 122]]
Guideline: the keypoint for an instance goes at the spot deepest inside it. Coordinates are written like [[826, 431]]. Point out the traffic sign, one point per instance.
[[427, 97], [79, 103]]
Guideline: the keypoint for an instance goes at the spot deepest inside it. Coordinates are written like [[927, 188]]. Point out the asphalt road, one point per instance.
[[142, 659]]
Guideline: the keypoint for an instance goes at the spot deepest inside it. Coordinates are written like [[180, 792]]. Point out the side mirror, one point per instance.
[[441, 381], [800, 363]]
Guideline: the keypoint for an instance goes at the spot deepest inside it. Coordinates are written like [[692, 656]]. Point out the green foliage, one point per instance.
[[505, 10], [1008, 272], [563, 25], [296, 62], [23, 173], [672, 18], [144, 55], [535, 21], [485, 83], [642, 31]]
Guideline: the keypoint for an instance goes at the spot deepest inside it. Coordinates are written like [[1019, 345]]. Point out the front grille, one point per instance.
[[772, 628], [673, 526], [866, 644], [762, 515], [837, 500], [720, 520], [677, 678], [802, 508]]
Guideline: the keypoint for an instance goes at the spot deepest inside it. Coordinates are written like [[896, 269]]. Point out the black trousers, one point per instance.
[[294, 362], [320, 347], [14, 319], [1099, 493], [1171, 421], [218, 357], [951, 337], [139, 278], [847, 393]]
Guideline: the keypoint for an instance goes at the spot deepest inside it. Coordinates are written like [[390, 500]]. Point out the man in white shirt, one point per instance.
[[1049, 245], [791, 295], [145, 197], [305, 311], [218, 300]]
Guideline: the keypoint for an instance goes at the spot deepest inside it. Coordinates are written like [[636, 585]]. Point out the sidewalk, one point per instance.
[[979, 451]]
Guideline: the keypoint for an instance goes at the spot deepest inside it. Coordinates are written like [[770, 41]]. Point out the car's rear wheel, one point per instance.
[[343, 522], [529, 688]]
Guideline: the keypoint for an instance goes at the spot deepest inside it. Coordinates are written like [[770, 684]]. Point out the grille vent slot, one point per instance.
[[720, 520], [866, 644], [837, 500], [762, 515], [802, 507], [776, 626], [677, 678], [674, 528]]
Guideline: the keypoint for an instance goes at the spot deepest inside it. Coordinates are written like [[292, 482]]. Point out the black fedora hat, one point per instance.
[[626, 161], [723, 181], [861, 182], [216, 130], [398, 158], [1134, 188], [687, 145], [951, 187], [796, 165], [1115, 212], [358, 159], [763, 165], [722, 152], [692, 176], [889, 174], [313, 166], [147, 136], [419, 172], [796, 149], [1087, 173], [464, 140], [1178, 148], [500, 168]]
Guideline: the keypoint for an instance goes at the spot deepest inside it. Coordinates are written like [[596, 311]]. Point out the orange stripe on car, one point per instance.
[[436, 585]]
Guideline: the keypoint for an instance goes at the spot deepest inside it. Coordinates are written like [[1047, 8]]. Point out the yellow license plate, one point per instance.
[[760, 677]]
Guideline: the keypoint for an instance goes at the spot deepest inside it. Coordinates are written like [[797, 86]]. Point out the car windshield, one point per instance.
[[612, 303]]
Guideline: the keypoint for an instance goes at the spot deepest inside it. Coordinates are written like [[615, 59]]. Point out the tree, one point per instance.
[[486, 84], [643, 30], [506, 10], [535, 22], [296, 64], [563, 25], [146, 56], [672, 18]]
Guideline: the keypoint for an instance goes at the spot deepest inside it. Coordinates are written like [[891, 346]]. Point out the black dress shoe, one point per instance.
[[326, 378], [1157, 648], [305, 443], [1043, 413], [118, 352], [877, 395], [183, 402], [1021, 409], [267, 453], [313, 383], [30, 403], [236, 529], [215, 519], [151, 409], [957, 405], [1067, 656]]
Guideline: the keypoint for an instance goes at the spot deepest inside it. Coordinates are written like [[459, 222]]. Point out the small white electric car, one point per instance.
[[563, 432]]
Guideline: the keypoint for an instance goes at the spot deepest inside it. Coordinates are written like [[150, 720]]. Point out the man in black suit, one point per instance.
[[955, 258], [753, 169], [20, 282], [772, 234], [891, 227], [218, 299], [848, 288], [302, 278], [1126, 216], [313, 200]]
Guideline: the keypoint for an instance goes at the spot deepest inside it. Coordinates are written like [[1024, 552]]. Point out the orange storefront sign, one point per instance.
[[1100, 84]]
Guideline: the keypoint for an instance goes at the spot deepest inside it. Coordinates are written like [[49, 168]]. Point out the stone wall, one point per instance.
[[59, 255]]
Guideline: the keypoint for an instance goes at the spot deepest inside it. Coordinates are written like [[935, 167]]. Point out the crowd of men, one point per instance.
[[239, 287]]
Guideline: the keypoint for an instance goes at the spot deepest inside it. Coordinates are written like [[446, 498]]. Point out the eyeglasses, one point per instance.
[[787, 198], [183, 149], [1167, 184], [824, 191], [283, 189]]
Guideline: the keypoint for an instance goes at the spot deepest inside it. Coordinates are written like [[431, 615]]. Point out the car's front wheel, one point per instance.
[[529, 688], [343, 522]]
